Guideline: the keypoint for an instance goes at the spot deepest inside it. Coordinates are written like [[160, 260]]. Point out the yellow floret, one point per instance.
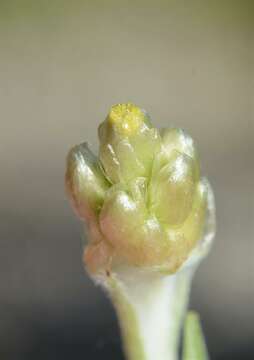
[[127, 118]]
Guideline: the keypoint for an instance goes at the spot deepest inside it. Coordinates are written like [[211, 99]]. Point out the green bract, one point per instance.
[[143, 198]]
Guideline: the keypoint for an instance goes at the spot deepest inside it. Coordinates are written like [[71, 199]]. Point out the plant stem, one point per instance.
[[151, 307]]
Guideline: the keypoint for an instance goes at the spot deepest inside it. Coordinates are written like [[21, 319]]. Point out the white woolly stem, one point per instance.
[[151, 308]]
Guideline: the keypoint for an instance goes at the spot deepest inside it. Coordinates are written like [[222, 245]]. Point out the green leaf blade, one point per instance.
[[194, 346]]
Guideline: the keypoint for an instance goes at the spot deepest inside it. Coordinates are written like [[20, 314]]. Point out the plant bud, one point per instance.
[[143, 199], [127, 143], [172, 189], [85, 182]]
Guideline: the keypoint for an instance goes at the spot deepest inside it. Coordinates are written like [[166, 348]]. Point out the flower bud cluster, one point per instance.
[[142, 197]]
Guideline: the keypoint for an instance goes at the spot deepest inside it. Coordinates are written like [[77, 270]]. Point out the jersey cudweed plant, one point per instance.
[[150, 220]]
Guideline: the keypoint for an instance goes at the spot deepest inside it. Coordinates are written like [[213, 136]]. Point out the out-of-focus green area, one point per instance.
[[62, 65]]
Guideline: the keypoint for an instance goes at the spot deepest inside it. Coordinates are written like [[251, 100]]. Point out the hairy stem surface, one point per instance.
[[150, 308]]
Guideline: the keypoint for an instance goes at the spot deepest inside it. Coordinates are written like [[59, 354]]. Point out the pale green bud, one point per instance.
[[172, 189], [182, 239], [178, 139], [133, 233], [127, 143], [143, 199], [173, 140], [85, 182]]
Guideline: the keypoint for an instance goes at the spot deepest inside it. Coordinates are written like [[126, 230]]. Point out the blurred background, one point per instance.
[[62, 65]]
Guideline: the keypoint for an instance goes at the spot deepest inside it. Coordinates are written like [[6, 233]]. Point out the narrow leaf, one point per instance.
[[194, 346]]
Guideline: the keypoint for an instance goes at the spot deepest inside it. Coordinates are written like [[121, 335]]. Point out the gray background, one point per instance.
[[62, 65]]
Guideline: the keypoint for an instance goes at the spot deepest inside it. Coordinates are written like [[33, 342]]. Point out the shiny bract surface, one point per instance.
[[142, 198]]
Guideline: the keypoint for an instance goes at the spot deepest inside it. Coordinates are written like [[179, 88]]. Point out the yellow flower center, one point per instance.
[[127, 118]]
